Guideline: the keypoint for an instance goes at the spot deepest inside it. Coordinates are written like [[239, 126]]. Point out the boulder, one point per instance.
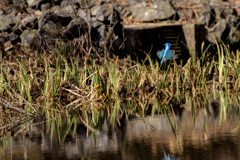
[[7, 22], [50, 25], [29, 39], [78, 26], [234, 36], [66, 11], [13, 9], [216, 31], [32, 3], [4, 2], [29, 21], [160, 10]]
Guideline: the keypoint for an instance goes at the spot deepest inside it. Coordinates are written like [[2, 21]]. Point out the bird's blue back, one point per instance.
[[166, 157], [166, 54]]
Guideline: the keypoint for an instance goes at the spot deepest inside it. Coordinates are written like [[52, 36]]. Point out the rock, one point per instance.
[[49, 25], [159, 10], [1, 12], [19, 2], [45, 6], [203, 13], [105, 13], [232, 20], [216, 31], [15, 9], [4, 2], [55, 8], [101, 31], [95, 23], [28, 22], [85, 4], [78, 26], [3, 39], [32, 3], [126, 11], [83, 14], [67, 11], [29, 39], [95, 10], [138, 8], [218, 11], [228, 12], [7, 21], [134, 2], [12, 37], [9, 37], [30, 10], [74, 4], [234, 36], [184, 12]]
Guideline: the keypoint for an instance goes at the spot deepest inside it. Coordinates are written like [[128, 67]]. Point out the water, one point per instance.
[[192, 133]]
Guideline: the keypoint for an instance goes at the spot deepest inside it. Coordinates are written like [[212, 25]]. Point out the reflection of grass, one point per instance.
[[46, 85]]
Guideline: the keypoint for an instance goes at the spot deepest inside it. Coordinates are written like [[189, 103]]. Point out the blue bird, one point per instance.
[[166, 157], [166, 54]]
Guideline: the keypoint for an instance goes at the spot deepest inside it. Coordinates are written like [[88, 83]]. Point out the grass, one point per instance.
[[44, 86]]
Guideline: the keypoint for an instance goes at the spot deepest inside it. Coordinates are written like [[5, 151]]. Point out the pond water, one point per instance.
[[190, 133]]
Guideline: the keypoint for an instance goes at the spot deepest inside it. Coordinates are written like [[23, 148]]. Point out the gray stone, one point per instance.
[[7, 21], [234, 36], [85, 4], [12, 37], [55, 8], [67, 11], [19, 2], [101, 31], [134, 2], [95, 10], [9, 37], [3, 39], [218, 11], [202, 9], [216, 2], [78, 26], [138, 9], [228, 11], [45, 6], [28, 22], [30, 10], [83, 14], [32, 3], [73, 3], [185, 14], [203, 12], [29, 39], [1, 12], [159, 10], [233, 20], [13, 9], [105, 12], [205, 19], [216, 31], [49, 25], [5, 2], [95, 23]]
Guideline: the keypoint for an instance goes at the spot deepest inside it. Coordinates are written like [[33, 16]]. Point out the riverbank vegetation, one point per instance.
[[42, 86]]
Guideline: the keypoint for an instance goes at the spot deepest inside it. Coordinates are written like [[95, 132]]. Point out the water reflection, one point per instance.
[[195, 131]]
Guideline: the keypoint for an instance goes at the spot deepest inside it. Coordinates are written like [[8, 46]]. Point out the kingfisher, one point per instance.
[[167, 157], [166, 54]]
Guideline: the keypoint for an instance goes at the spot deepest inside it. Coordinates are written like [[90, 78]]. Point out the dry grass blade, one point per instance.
[[7, 105]]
